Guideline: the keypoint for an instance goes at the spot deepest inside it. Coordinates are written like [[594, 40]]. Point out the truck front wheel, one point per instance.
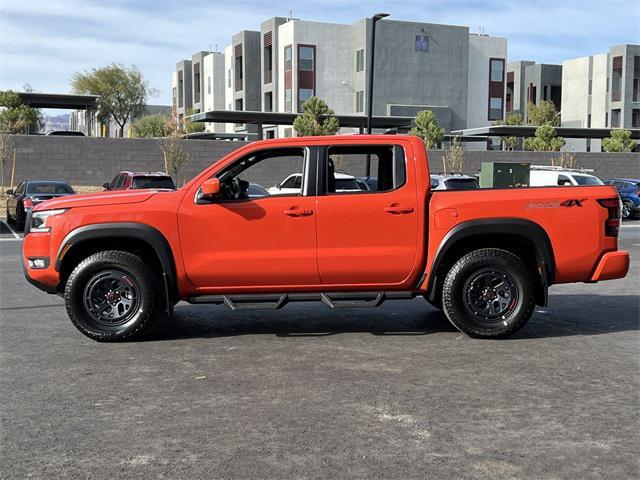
[[488, 293], [113, 295]]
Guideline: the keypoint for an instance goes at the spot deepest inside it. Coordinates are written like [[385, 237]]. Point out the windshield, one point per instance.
[[587, 180], [152, 182], [49, 188], [461, 184]]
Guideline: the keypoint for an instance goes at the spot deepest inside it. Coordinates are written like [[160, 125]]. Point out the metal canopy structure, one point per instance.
[[278, 118], [530, 131], [59, 100]]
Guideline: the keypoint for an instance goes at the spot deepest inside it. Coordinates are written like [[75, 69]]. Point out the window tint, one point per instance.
[[263, 171], [153, 182], [20, 189], [461, 184], [564, 180], [48, 187], [434, 183], [587, 180], [346, 165], [120, 181]]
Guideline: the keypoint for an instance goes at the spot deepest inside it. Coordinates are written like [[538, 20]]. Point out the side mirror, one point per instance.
[[211, 187], [9, 192], [105, 186]]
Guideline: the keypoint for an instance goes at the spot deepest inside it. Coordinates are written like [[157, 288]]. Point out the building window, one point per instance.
[[268, 102], [422, 43], [304, 94], [288, 100], [288, 78], [616, 81], [590, 87], [229, 78], [267, 57], [360, 101], [288, 58], [607, 84], [615, 118], [545, 92], [589, 121], [209, 84], [496, 89], [305, 58], [238, 67], [497, 70], [636, 79], [360, 60], [288, 132], [239, 107], [495, 108], [306, 74], [180, 89], [635, 118], [606, 119], [196, 82]]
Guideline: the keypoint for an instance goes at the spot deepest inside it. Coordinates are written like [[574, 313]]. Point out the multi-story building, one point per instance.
[[601, 91], [458, 75], [528, 81]]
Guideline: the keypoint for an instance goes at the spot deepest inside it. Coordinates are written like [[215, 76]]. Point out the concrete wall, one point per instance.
[[93, 161], [482, 48]]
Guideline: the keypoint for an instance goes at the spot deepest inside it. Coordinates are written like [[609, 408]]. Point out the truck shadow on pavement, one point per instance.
[[567, 315]]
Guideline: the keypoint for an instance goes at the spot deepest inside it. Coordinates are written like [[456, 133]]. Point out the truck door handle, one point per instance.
[[398, 209], [297, 212]]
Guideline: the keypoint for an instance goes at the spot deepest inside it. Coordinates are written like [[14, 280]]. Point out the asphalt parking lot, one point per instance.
[[306, 392]]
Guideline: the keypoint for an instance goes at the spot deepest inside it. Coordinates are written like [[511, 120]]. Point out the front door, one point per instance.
[[367, 236], [259, 240]]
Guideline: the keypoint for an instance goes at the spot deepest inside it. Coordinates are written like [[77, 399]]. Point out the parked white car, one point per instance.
[[453, 181], [292, 185], [541, 176]]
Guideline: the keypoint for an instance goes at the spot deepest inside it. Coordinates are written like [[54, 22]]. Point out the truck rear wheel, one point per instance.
[[488, 293], [113, 295]]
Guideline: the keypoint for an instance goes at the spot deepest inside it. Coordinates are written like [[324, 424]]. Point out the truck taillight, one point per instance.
[[28, 203], [612, 223]]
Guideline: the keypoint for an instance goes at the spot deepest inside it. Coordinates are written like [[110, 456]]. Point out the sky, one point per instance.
[[43, 42]]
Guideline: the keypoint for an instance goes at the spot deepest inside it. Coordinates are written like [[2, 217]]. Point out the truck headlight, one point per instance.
[[39, 219]]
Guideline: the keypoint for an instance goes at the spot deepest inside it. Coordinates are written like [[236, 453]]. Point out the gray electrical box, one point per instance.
[[504, 175]]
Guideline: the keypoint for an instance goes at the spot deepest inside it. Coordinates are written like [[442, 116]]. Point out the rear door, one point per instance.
[[367, 237]]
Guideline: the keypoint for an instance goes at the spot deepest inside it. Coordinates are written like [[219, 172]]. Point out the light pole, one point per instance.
[[375, 18]]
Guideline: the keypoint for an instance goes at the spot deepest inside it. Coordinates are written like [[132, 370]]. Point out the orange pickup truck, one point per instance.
[[236, 236]]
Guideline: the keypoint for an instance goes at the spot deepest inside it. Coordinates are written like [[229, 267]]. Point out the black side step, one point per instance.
[[276, 301]]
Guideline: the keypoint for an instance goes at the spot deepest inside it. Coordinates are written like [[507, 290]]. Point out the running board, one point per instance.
[[277, 301]]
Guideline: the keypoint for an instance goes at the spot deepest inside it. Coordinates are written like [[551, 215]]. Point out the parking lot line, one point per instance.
[[13, 232]]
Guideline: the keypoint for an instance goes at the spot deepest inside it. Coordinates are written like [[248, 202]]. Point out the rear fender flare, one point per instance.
[[499, 226]]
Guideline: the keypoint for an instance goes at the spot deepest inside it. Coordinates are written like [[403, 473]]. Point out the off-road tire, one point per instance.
[[458, 288], [144, 312]]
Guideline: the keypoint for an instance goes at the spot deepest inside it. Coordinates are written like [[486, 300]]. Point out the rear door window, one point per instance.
[[345, 165]]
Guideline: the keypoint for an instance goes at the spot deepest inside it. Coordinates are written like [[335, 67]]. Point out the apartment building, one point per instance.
[[445, 68], [528, 81], [601, 91]]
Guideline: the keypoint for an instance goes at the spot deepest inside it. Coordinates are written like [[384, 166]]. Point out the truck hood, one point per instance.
[[93, 199]]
